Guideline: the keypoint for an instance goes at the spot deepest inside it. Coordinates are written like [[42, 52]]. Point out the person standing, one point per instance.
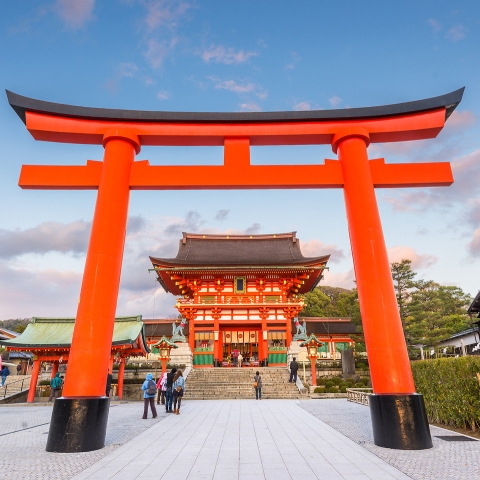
[[168, 390], [257, 379], [149, 388], [240, 358], [235, 357], [19, 369], [162, 387], [5, 373], [55, 386], [293, 370], [178, 390]]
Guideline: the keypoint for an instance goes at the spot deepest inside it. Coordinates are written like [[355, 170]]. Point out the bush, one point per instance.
[[450, 389], [365, 380], [359, 385], [337, 380], [44, 382], [333, 390], [343, 384], [319, 390], [362, 365], [343, 389], [322, 380], [329, 384]]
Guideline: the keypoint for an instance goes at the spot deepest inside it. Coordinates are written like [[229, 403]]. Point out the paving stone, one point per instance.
[[445, 461]]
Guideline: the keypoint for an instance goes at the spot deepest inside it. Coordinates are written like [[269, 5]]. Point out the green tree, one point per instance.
[[19, 328], [436, 312], [403, 280]]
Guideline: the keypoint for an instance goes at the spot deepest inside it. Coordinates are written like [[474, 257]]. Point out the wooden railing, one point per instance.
[[359, 395], [238, 300]]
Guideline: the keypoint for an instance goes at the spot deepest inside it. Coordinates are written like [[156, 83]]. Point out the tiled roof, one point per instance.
[[475, 305], [239, 250], [57, 332]]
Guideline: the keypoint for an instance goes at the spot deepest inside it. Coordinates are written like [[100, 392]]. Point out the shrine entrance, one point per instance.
[[398, 413]]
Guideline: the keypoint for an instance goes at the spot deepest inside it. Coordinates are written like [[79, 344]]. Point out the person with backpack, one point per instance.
[[178, 390], [257, 383], [55, 386], [149, 388]]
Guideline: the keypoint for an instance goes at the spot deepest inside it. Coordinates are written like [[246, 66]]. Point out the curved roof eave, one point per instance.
[[23, 104]]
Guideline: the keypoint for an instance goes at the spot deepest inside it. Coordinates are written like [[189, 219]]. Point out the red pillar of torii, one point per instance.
[[398, 413]]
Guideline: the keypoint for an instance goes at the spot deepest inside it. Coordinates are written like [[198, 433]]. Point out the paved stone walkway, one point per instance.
[[243, 439], [447, 460], [23, 436], [231, 439]]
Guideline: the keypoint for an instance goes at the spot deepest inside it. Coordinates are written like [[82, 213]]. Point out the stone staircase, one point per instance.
[[14, 385], [236, 383]]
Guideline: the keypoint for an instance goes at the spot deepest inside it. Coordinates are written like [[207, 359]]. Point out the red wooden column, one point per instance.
[[164, 365], [92, 336], [54, 368], [121, 375], [33, 381], [387, 351], [398, 414]]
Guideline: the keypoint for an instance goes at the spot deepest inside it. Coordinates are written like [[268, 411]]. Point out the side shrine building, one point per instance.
[[239, 292]]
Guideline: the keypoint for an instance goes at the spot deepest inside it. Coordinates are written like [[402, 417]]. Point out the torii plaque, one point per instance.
[[80, 416]]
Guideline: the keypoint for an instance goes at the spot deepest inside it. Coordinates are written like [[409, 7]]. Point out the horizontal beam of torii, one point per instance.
[[349, 131]]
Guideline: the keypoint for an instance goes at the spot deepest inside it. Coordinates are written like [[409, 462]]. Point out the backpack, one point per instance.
[[151, 388], [56, 383]]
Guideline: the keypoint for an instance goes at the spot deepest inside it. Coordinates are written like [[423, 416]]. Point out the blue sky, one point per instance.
[[233, 56]]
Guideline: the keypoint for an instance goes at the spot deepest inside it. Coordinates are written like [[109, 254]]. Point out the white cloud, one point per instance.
[[340, 279], [46, 237], [250, 107], [456, 33], [434, 24], [302, 106], [163, 95], [419, 261], [233, 86], [474, 246], [228, 56], [75, 13], [127, 69], [315, 248], [240, 88], [334, 101], [164, 13]]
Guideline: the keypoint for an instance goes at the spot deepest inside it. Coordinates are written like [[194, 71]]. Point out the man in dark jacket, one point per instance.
[[55, 386], [169, 391], [293, 370]]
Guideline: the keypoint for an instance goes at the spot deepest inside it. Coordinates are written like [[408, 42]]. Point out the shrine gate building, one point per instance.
[[241, 290]]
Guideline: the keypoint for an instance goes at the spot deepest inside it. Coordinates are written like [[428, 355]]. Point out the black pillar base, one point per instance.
[[400, 422], [78, 424]]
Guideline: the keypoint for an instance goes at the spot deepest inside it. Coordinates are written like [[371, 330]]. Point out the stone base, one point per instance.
[[400, 422], [78, 424], [181, 355], [295, 350]]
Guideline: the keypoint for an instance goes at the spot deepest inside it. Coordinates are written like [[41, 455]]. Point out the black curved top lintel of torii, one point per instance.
[[22, 104]]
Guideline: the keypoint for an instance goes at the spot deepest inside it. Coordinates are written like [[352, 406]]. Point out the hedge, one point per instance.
[[451, 390]]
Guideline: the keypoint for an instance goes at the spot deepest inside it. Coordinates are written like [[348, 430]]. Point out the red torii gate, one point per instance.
[[79, 418]]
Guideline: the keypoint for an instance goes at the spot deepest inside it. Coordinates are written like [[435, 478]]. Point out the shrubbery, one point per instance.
[[451, 390], [339, 384]]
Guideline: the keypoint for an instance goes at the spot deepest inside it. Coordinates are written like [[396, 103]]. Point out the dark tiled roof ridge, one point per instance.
[[247, 250]]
